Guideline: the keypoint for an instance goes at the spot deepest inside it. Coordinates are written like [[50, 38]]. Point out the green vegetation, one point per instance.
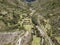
[[36, 40], [15, 15], [8, 44]]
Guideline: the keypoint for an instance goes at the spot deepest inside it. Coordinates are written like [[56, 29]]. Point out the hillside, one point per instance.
[[29, 22]]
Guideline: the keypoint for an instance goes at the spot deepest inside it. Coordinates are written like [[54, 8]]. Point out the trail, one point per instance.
[[27, 33], [42, 32], [21, 38], [44, 35]]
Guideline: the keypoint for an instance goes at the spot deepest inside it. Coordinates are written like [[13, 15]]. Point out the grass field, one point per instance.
[[36, 40]]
